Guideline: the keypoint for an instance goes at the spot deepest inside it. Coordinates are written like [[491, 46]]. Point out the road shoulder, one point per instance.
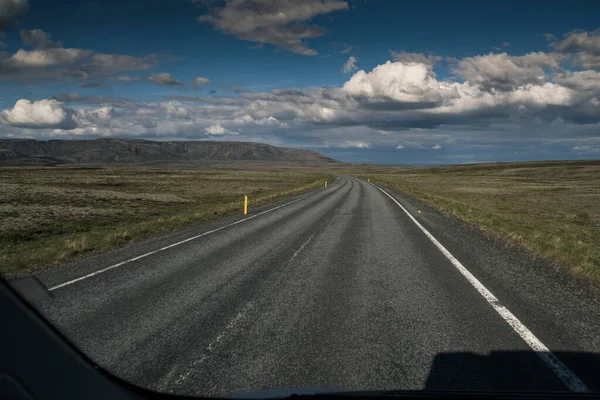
[[561, 309]]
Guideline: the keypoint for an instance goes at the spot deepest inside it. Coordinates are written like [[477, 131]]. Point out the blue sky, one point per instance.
[[366, 81]]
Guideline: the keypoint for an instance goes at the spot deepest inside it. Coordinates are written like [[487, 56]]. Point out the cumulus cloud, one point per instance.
[[45, 58], [99, 118], [51, 64], [401, 86], [164, 79], [217, 129], [39, 114], [580, 81], [583, 46], [350, 65], [499, 98], [174, 110], [199, 82], [420, 58], [580, 41], [282, 23], [38, 39], [49, 61], [248, 119], [504, 72], [11, 10], [108, 64]]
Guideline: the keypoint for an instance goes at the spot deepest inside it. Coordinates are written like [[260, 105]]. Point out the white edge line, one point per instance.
[[173, 245], [561, 370]]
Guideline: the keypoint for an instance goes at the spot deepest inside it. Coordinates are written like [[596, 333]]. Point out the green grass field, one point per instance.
[[551, 208], [51, 214]]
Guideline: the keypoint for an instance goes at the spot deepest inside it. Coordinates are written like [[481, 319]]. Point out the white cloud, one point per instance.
[[104, 113], [145, 111], [588, 42], [99, 118], [501, 98], [44, 58], [39, 114], [350, 65], [174, 110], [164, 79], [217, 129], [418, 58], [38, 38], [504, 72], [277, 22], [413, 85], [50, 62], [247, 119], [244, 119], [583, 46], [356, 143], [199, 82]]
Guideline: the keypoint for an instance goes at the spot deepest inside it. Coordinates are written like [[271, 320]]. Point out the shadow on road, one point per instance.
[[509, 370]]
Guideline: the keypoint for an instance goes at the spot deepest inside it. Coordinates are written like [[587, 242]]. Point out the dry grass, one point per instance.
[[49, 215], [550, 208]]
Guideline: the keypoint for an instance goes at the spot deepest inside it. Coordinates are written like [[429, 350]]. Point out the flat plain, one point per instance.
[[49, 215]]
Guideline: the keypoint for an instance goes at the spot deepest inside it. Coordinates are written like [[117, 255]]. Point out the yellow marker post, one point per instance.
[[369, 179], [325, 183], [245, 205]]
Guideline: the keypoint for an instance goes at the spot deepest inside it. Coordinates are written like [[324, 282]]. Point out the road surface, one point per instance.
[[338, 288]]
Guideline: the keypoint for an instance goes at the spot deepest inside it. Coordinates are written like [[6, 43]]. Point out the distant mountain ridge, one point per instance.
[[111, 150]]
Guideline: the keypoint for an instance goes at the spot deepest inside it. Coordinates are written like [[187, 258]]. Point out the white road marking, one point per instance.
[[210, 350], [561, 370], [301, 247], [309, 239], [173, 245]]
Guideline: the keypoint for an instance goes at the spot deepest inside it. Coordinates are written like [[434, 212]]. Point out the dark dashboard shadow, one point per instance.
[[509, 370]]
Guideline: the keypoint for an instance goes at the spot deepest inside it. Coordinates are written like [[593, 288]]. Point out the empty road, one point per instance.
[[338, 288]]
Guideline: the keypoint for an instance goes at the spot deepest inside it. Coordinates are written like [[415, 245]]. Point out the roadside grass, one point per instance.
[[53, 214], [550, 208]]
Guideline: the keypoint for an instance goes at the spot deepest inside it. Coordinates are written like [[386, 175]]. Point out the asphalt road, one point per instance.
[[336, 289]]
